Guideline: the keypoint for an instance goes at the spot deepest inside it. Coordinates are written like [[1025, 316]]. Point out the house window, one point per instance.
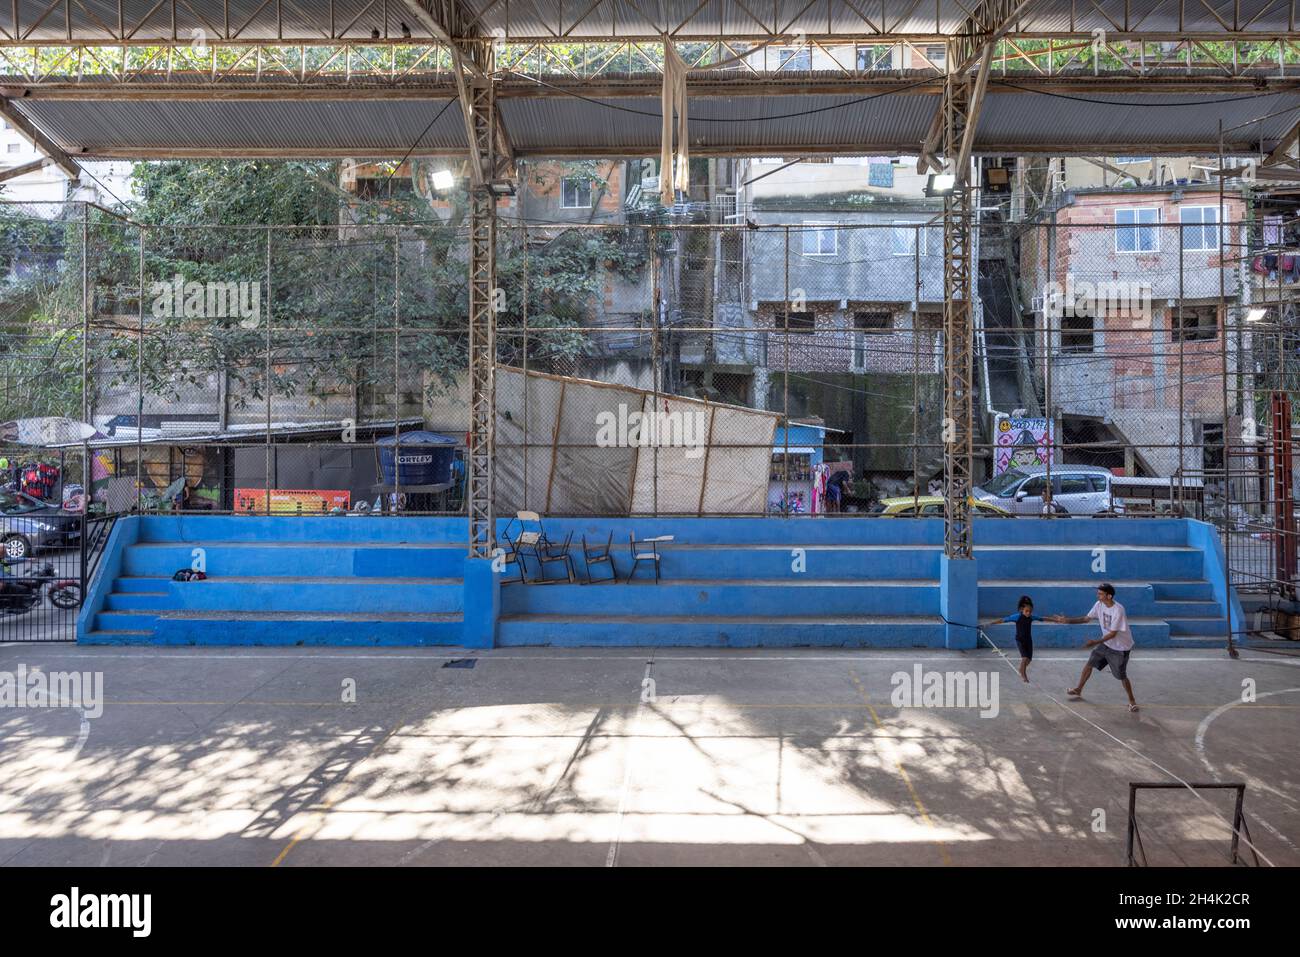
[[1139, 230], [800, 321], [875, 58], [794, 58], [903, 238], [14, 147], [1078, 333], [820, 239], [866, 325], [1212, 447], [575, 193], [1130, 160], [1200, 227], [1195, 324], [937, 54], [873, 322]]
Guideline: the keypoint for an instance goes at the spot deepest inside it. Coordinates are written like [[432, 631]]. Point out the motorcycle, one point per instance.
[[21, 594]]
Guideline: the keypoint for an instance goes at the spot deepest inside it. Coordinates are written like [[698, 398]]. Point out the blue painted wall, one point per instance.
[[738, 582]]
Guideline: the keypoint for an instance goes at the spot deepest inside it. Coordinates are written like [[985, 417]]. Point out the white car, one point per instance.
[[1079, 489]]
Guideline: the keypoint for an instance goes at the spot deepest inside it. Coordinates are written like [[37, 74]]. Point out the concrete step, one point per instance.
[[738, 631], [780, 561], [186, 627], [1214, 626], [1124, 562], [777, 598], [313, 559], [1147, 632]]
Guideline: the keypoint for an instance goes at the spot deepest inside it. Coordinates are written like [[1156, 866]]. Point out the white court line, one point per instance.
[[1151, 761], [611, 858], [1204, 726]]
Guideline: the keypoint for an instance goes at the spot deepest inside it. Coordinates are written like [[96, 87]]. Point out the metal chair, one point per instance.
[[639, 554], [533, 543], [547, 552], [513, 556], [599, 555]]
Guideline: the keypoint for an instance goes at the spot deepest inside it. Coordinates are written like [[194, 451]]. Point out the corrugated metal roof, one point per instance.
[[1011, 121], [304, 128]]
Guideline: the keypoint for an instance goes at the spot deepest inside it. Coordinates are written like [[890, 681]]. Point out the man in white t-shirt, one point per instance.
[[1112, 649]]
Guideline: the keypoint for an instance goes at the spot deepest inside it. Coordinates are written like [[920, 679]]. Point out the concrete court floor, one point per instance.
[[551, 757]]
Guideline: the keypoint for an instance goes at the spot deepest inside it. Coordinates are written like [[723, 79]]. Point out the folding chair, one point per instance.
[[513, 555], [599, 555], [547, 552], [639, 554], [531, 535]]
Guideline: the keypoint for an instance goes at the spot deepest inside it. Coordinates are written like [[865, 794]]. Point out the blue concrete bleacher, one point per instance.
[[739, 582]]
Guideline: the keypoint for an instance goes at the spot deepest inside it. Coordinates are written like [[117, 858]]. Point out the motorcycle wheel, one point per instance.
[[66, 596]]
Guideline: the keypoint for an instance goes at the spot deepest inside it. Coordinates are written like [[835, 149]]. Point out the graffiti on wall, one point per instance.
[[1021, 442]]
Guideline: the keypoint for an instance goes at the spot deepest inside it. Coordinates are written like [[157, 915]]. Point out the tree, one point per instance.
[[331, 276]]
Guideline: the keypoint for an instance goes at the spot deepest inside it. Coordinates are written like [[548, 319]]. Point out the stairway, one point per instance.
[[1158, 577], [848, 582], [319, 584]]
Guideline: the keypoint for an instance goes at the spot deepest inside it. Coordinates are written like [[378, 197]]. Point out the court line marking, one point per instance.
[[327, 803], [1151, 761], [1204, 726], [898, 763], [634, 728]]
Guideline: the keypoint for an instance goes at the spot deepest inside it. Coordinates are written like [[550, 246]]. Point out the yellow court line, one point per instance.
[[327, 804], [911, 788]]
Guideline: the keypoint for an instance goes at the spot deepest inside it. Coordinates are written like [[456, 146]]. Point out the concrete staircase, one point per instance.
[[833, 584], [310, 581], [1159, 578], [741, 582]]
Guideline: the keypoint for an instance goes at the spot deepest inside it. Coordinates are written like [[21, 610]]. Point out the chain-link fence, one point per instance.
[[1126, 364]]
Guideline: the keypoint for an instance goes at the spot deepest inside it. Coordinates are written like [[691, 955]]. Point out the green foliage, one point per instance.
[[336, 277]]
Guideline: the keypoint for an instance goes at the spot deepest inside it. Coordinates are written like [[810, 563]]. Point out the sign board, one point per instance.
[[252, 501]]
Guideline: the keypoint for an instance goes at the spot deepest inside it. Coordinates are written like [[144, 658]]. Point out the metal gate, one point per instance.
[[49, 544]]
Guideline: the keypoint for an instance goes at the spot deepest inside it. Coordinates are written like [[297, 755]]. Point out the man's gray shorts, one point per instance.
[[1103, 655]]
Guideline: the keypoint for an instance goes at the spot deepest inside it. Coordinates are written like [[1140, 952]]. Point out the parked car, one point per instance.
[[1079, 489], [932, 506], [28, 524]]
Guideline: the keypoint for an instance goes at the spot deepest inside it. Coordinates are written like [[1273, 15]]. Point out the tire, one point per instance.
[[67, 596], [16, 548]]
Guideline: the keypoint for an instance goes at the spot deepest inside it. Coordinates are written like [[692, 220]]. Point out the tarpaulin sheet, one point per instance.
[[553, 456]]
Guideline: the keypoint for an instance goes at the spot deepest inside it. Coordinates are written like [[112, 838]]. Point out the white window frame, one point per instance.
[[578, 182], [787, 58], [819, 229], [1211, 227], [917, 231], [1136, 228], [883, 65]]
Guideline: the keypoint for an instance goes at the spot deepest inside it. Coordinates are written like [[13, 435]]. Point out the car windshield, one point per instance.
[[1003, 483]]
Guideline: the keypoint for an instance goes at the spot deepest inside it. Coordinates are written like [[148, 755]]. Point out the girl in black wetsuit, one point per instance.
[[1024, 619]]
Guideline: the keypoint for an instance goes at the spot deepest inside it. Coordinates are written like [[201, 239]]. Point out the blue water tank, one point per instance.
[[416, 458]]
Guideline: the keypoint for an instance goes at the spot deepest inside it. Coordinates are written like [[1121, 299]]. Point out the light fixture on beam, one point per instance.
[[443, 180], [1256, 314], [939, 184]]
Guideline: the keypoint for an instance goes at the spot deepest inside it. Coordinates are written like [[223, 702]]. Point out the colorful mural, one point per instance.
[[1021, 442]]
